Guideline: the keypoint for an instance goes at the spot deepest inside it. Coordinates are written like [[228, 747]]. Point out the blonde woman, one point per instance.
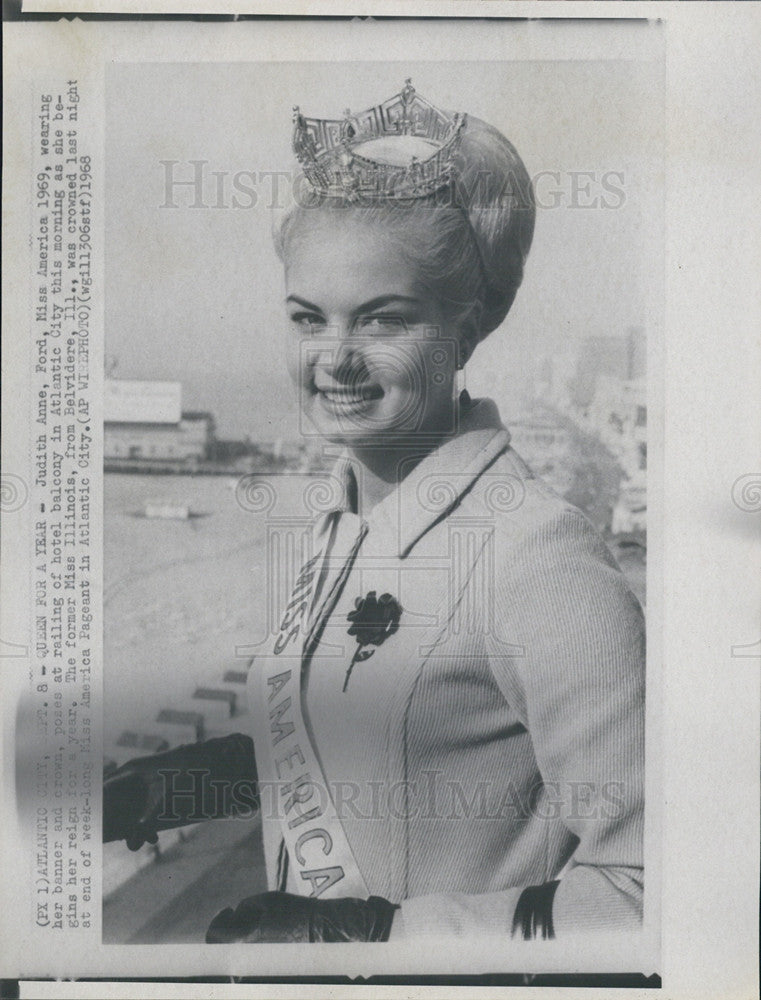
[[448, 727]]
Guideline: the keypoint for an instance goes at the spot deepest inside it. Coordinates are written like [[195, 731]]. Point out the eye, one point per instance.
[[382, 324], [307, 322]]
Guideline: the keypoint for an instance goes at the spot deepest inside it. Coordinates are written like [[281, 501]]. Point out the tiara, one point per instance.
[[402, 148]]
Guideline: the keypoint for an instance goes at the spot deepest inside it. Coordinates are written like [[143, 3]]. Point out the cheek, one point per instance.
[[396, 367], [293, 361]]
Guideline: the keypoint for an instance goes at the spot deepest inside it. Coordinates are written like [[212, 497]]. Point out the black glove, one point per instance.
[[190, 784], [282, 917]]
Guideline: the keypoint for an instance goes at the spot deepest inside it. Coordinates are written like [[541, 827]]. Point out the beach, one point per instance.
[[180, 595]]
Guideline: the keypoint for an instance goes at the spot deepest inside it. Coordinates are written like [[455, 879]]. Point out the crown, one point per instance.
[[402, 148]]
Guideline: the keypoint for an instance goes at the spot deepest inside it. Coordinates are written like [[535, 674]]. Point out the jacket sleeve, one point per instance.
[[579, 690]]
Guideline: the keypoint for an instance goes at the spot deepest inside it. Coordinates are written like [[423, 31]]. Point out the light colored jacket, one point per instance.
[[496, 738]]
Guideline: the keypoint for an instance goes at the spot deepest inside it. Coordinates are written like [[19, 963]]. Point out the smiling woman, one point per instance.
[[367, 338], [463, 754], [388, 298]]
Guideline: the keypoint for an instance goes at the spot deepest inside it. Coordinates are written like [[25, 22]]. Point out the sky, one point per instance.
[[196, 293]]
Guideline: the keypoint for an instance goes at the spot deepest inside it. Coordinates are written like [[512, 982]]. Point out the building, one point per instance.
[[622, 359], [531, 438], [556, 378], [618, 416], [544, 446], [601, 386], [145, 423]]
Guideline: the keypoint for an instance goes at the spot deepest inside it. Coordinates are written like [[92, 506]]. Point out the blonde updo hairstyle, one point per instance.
[[468, 242]]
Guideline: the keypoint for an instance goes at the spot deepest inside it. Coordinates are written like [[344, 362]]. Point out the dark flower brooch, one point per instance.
[[373, 620]]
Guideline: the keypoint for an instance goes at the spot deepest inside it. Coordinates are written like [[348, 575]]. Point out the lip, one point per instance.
[[349, 399]]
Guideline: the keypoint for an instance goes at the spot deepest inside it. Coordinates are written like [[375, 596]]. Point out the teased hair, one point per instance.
[[468, 243]]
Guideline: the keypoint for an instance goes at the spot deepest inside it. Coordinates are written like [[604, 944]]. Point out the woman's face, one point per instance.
[[372, 355]]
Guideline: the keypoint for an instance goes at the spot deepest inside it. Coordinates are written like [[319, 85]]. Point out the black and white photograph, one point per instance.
[[375, 453], [370, 487]]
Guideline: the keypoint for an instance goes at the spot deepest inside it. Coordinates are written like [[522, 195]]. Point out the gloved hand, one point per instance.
[[188, 784], [283, 917]]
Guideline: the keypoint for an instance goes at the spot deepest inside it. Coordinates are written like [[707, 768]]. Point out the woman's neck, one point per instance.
[[380, 470]]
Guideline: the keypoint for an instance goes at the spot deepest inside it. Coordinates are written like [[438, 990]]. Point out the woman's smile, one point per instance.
[[347, 399], [370, 352]]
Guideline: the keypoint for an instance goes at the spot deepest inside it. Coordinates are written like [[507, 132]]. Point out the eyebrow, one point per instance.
[[366, 307]]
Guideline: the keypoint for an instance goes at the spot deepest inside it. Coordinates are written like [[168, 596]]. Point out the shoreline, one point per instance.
[[169, 468]]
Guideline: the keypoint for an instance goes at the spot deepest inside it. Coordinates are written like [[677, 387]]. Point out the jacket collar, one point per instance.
[[438, 483]]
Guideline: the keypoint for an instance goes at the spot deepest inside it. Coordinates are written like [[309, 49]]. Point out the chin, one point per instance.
[[378, 430], [354, 438]]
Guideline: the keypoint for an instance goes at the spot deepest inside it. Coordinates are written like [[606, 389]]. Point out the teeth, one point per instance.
[[342, 397]]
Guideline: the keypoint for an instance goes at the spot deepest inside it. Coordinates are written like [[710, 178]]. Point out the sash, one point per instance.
[[318, 851]]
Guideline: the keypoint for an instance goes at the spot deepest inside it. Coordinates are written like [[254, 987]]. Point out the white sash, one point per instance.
[[319, 854]]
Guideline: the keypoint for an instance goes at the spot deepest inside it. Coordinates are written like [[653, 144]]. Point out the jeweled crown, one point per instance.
[[402, 148]]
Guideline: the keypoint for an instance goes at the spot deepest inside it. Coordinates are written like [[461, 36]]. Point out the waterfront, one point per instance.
[[180, 595]]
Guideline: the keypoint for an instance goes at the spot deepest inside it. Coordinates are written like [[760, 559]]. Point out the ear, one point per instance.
[[470, 332]]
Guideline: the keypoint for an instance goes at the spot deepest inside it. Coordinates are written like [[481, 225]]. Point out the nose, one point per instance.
[[347, 365], [340, 357]]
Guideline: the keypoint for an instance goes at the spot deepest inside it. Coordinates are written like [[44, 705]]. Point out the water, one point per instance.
[[180, 595]]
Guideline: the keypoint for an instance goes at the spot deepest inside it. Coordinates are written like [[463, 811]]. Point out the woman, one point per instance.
[[448, 730]]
